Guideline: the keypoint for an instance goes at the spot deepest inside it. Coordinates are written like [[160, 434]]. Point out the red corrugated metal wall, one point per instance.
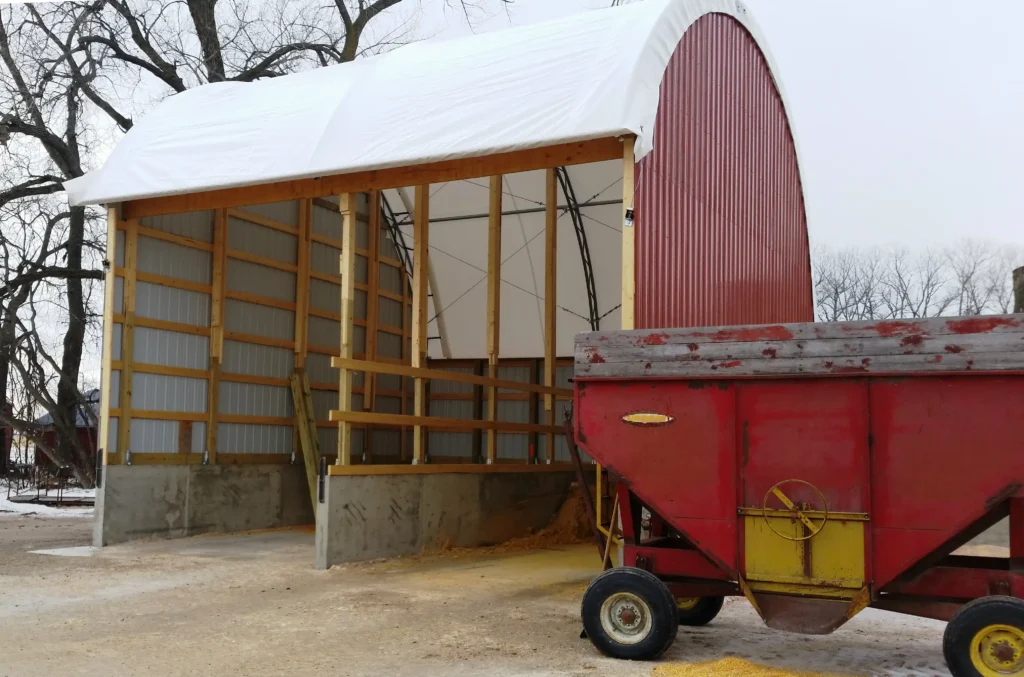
[[721, 232]]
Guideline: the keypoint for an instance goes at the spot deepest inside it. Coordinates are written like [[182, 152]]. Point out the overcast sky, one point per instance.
[[908, 113]]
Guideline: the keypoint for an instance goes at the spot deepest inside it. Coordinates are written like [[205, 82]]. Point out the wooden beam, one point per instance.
[[460, 468], [218, 286], [163, 370], [628, 312], [150, 323], [106, 357], [421, 239], [372, 314], [261, 220], [438, 423], [305, 424], [581, 152], [550, 301], [348, 303], [493, 308], [131, 254], [444, 375], [165, 281], [302, 283]]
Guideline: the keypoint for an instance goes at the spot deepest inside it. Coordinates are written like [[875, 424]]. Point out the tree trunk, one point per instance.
[[69, 448], [205, 20], [1018, 290]]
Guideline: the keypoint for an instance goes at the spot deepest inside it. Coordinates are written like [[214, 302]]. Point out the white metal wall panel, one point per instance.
[[161, 437], [194, 225], [283, 212], [389, 278], [324, 295], [171, 348], [385, 404], [389, 345], [323, 402], [319, 369], [256, 360], [325, 259], [327, 222], [249, 237], [112, 434], [328, 439], [119, 248], [324, 332], [174, 260], [172, 305], [118, 294], [249, 399], [168, 393], [253, 278], [115, 388], [115, 341], [250, 318], [389, 312], [238, 438], [386, 443]]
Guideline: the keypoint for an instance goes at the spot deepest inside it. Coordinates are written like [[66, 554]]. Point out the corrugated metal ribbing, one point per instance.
[[174, 260], [721, 231], [193, 225], [158, 302]]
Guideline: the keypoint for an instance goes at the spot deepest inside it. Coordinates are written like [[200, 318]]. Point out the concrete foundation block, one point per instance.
[[365, 517], [174, 501]]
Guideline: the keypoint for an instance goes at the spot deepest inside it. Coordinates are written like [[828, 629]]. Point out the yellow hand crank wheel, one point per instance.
[[795, 511]]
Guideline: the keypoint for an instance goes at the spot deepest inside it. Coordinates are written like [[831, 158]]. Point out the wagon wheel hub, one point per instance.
[[626, 618], [998, 650], [812, 518]]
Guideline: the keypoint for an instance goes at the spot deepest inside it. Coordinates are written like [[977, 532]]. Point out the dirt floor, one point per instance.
[[252, 605]]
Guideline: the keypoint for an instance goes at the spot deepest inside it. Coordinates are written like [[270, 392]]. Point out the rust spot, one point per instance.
[[980, 325], [866, 361], [954, 349], [895, 328], [647, 365], [970, 364], [773, 333], [594, 357], [934, 359], [694, 347], [653, 339], [730, 364], [769, 352], [912, 340], [828, 365]]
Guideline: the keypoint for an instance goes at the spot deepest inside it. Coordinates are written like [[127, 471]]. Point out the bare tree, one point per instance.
[[970, 278], [73, 76]]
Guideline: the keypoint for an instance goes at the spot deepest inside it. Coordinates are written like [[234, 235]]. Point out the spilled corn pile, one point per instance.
[[729, 667]]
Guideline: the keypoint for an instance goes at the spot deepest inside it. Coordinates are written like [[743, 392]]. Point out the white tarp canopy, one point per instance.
[[586, 76]]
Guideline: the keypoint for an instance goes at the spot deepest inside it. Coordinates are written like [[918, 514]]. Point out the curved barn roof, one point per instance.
[[585, 76]]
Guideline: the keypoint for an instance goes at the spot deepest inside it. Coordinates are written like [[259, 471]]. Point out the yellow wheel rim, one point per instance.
[[687, 603], [998, 650]]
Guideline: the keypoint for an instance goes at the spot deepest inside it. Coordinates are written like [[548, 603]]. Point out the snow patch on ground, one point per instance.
[[76, 551], [7, 506]]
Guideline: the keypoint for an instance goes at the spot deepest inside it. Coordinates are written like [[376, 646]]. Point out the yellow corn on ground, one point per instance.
[[730, 667]]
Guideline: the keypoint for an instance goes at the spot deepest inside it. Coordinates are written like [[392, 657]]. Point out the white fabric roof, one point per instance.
[[585, 76]]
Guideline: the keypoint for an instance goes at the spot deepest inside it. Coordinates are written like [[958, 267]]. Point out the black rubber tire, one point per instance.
[[702, 614], [648, 587], [968, 621]]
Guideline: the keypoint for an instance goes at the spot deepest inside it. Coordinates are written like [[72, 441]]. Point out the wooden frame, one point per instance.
[[493, 308], [124, 403], [348, 274], [628, 237], [421, 235], [550, 301], [581, 152], [106, 368]]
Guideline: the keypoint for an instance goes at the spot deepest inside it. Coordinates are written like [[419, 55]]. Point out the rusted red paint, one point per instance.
[[896, 328], [721, 229], [745, 334], [980, 325], [847, 369], [730, 364], [655, 339], [595, 358], [954, 349], [770, 352], [934, 359], [693, 347], [912, 340]]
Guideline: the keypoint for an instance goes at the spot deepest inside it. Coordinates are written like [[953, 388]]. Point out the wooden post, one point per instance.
[[628, 238], [478, 413], [217, 289], [108, 335], [550, 302], [348, 305], [1018, 290], [305, 244], [372, 316], [493, 309], [421, 225], [131, 252]]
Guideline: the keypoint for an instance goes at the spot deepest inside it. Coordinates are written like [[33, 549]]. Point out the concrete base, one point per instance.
[[364, 517], [185, 500]]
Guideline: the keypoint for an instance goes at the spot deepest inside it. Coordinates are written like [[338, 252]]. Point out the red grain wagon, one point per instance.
[[816, 469]]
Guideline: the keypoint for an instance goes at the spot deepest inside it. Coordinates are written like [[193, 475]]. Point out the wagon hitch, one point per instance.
[[581, 481]]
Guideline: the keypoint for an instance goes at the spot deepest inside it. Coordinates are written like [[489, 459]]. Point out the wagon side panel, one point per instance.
[[681, 462], [947, 454]]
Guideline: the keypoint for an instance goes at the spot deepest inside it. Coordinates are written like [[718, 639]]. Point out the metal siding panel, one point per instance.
[[324, 295], [115, 389], [250, 318], [112, 433], [324, 258], [161, 437], [257, 360], [172, 305], [324, 332], [283, 212], [168, 393], [390, 278], [174, 260], [389, 312], [386, 443], [389, 345], [319, 369], [323, 402], [115, 341], [326, 222], [249, 399], [243, 438], [260, 280], [194, 225], [253, 238], [119, 294], [171, 349], [721, 234]]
